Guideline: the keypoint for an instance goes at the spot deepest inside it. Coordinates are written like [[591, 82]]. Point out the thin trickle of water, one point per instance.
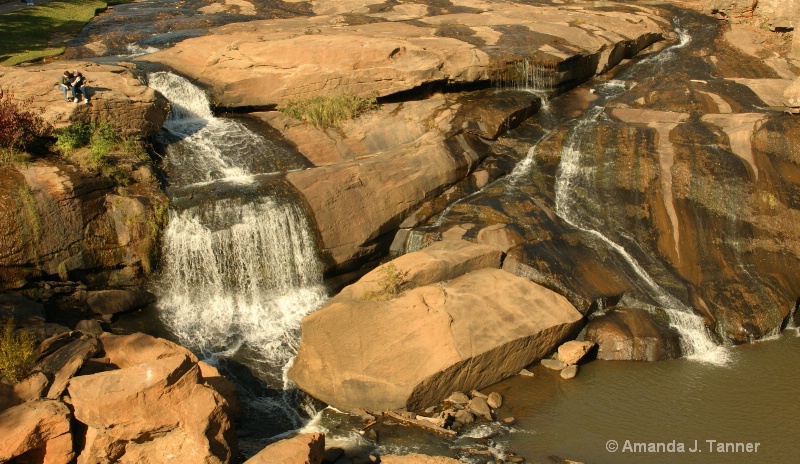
[[527, 74], [574, 184]]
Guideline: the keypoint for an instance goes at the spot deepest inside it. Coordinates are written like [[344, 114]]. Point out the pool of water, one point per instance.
[[680, 404]]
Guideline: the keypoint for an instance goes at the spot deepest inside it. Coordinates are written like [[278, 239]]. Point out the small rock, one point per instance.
[[430, 410], [39, 427], [372, 434], [406, 414], [32, 387], [509, 420], [494, 400], [22, 309], [465, 417], [554, 364], [477, 394], [526, 373], [89, 326], [109, 302], [458, 398], [569, 372], [480, 407], [573, 351], [514, 459], [363, 414]]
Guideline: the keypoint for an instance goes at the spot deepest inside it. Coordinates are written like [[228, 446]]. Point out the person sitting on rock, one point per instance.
[[64, 84], [79, 87]]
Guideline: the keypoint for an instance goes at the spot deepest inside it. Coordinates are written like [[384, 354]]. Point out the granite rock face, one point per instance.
[[455, 335]]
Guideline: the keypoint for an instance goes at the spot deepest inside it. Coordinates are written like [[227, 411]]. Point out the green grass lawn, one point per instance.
[[41, 31]]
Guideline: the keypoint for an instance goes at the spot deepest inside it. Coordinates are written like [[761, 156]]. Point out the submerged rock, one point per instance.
[[415, 458]]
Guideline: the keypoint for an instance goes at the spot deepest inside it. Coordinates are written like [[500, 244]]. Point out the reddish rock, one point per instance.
[[415, 458], [36, 431], [154, 412], [458, 335], [308, 448], [116, 95], [630, 334], [573, 351]]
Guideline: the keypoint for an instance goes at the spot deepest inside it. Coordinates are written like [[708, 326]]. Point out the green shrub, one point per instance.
[[390, 283], [331, 111], [75, 136], [104, 139], [16, 352]]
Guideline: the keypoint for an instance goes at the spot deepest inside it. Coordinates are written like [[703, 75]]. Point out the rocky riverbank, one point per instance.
[[699, 164]]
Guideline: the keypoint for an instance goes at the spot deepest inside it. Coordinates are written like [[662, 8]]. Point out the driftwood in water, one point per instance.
[[424, 424]]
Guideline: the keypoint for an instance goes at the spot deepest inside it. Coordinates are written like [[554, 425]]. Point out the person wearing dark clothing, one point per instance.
[[64, 84], [79, 87]]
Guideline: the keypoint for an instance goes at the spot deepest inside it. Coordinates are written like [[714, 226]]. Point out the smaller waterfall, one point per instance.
[[527, 74], [574, 182], [247, 284], [204, 148]]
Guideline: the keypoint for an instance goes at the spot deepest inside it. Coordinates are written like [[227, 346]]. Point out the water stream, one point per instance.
[[240, 271], [240, 266]]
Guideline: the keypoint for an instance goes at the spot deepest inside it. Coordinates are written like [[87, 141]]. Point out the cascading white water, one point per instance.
[[529, 75], [238, 273], [248, 284], [575, 176], [205, 148]]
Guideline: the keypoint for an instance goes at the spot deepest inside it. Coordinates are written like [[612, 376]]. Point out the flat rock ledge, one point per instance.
[[351, 49], [115, 94], [410, 350]]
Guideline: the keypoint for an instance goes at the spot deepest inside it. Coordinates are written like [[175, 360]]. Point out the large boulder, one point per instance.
[[264, 63], [383, 190], [36, 431], [632, 334], [306, 448], [115, 93], [440, 261], [154, 412], [414, 350]]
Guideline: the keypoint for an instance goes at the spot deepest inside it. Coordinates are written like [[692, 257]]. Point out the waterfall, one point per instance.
[[248, 284], [574, 184], [527, 74], [240, 267], [204, 148]]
